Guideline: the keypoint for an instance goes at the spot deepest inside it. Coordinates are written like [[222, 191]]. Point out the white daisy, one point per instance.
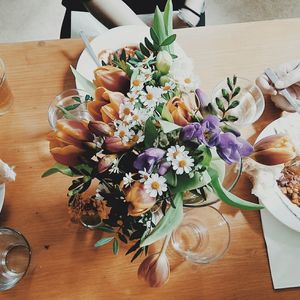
[[138, 83], [152, 96], [125, 111], [188, 83], [183, 164], [155, 185], [146, 60], [138, 137], [127, 179], [174, 152], [140, 116], [144, 175], [168, 87], [146, 73], [100, 188], [133, 96], [114, 167], [123, 132]]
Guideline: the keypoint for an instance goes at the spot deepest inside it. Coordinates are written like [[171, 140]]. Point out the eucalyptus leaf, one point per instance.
[[115, 247], [59, 168], [87, 85], [229, 83], [167, 224], [103, 241], [228, 197], [105, 228], [169, 40], [220, 104], [233, 104], [232, 118], [236, 91], [168, 126], [71, 107], [66, 113]]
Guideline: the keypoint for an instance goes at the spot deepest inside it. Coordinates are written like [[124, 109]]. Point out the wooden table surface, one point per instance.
[[65, 264]]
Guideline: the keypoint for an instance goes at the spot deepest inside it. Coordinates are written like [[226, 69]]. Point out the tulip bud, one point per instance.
[[139, 200], [164, 62], [114, 144], [274, 150], [106, 162], [155, 269], [100, 128]]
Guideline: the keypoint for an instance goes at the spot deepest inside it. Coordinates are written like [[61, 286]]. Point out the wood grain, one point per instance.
[[65, 264]]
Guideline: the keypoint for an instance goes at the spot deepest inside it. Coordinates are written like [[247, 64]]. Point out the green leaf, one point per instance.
[[105, 228], [103, 241], [169, 40], [77, 99], [71, 107], [229, 83], [115, 247], [234, 79], [187, 184], [220, 104], [58, 168], [139, 55], [236, 91], [158, 25], [225, 95], [149, 45], [233, 104], [86, 85], [166, 225], [66, 113], [166, 115], [137, 253], [228, 197], [168, 126], [154, 36], [144, 50], [168, 17], [151, 133], [232, 118], [171, 178]]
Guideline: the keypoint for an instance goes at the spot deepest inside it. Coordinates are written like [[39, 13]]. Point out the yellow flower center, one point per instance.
[[136, 82], [135, 138], [182, 163], [175, 154], [126, 111], [149, 96], [155, 185], [135, 117], [187, 80], [122, 134], [166, 88]]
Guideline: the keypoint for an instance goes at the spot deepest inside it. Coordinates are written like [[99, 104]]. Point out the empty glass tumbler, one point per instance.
[[15, 254]]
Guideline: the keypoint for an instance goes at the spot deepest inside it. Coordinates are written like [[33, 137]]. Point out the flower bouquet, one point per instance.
[[153, 141]]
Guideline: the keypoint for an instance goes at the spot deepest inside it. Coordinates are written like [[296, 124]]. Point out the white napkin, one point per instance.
[[283, 246]]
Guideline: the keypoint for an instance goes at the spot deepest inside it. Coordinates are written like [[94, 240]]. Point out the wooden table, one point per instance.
[[65, 265]]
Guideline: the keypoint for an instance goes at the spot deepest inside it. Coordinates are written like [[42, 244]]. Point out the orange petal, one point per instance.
[[68, 155], [74, 129], [109, 114]]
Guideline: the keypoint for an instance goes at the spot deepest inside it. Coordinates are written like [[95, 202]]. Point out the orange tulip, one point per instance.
[[100, 128], [112, 78], [139, 201], [67, 144], [106, 105], [106, 162], [179, 111], [274, 150]]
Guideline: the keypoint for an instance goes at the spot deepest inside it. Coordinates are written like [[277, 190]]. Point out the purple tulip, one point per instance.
[[148, 159], [211, 131], [163, 168], [232, 148], [191, 131], [201, 97]]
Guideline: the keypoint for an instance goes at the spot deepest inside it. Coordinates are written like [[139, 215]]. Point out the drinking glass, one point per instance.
[[74, 101], [15, 254], [251, 101], [6, 97], [203, 236]]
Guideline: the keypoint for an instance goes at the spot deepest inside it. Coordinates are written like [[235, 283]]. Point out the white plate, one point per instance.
[[278, 204], [2, 194], [114, 39]]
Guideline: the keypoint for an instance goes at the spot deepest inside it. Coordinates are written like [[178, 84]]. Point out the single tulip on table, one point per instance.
[[274, 150]]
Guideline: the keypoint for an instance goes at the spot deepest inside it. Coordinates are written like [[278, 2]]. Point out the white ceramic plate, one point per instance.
[[114, 39], [2, 194], [279, 205]]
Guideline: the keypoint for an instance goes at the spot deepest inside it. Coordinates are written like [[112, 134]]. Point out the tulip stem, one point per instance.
[[165, 244]]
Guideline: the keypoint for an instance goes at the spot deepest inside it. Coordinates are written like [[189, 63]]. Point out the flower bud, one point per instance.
[[155, 269], [163, 80], [139, 200], [164, 62], [274, 150], [114, 144], [106, 162], [100, 128]]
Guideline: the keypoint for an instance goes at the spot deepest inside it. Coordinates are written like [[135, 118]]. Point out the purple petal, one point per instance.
[[245, 148], [201, 97], [163, 169]]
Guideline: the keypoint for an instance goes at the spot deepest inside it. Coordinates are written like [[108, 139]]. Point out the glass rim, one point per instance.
[[225, 248], [2, 72], [28, 246], [64, 93]]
